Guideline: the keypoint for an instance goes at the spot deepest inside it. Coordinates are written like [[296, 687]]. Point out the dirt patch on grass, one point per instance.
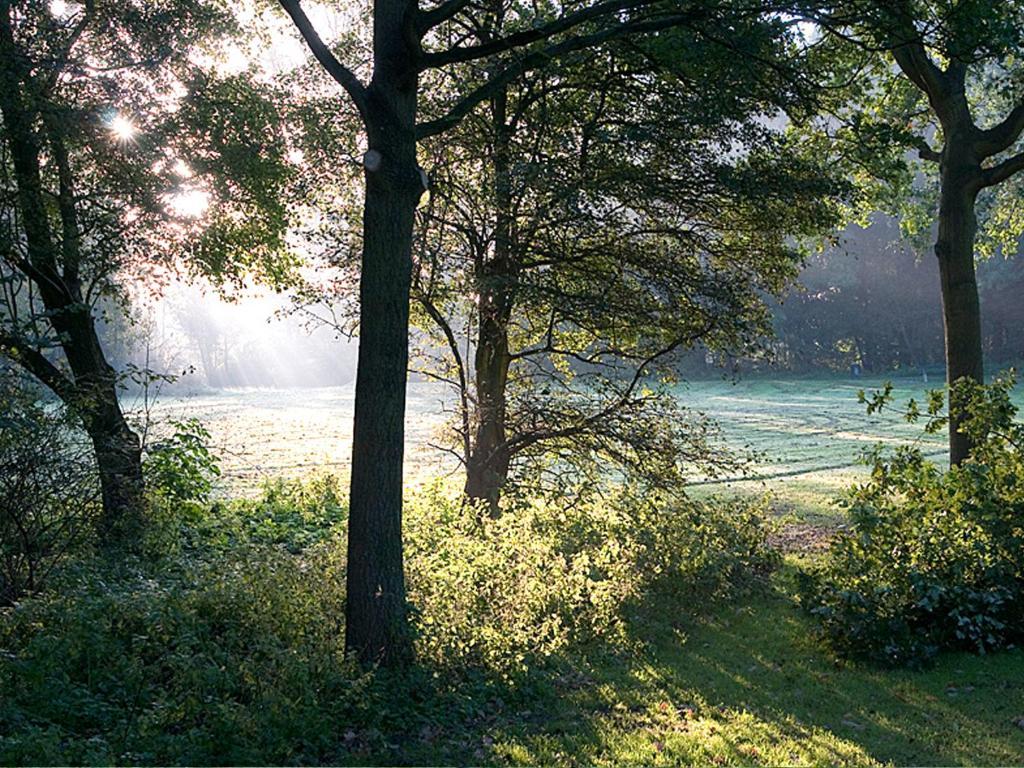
[[802, 538]]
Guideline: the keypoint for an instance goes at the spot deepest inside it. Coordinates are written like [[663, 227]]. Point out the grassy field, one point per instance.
[[752, 686], [807, 434]]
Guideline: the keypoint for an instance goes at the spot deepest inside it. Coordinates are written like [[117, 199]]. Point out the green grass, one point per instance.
[[752, 686], [807, 433]]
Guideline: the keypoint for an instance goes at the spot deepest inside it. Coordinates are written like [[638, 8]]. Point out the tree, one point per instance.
[[114, 170], [409, 44], [574, 245], [961, 62]]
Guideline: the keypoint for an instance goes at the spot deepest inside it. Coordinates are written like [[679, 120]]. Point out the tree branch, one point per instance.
[[62, 58], [1001, 172], [540, 58], [342, 74], [1002, 136], [925, 152], [453, 346], [521, 442], [19, 351], [427, 20], [922, 71], [533, 35]]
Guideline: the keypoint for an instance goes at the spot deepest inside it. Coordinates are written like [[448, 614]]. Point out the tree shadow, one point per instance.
[[750, 684]]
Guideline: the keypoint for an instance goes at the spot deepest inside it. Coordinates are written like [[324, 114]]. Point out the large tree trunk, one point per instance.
[[376, 622], [95, 401], [960, 306], [119, 461]]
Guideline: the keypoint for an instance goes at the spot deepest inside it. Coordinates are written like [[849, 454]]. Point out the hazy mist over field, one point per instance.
[[252, 339]]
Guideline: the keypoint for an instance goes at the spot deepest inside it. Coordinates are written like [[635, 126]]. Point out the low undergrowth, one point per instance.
[[224, 646]]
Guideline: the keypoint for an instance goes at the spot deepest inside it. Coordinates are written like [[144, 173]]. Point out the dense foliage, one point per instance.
[[48, 489], [227, 648], [932, 560]]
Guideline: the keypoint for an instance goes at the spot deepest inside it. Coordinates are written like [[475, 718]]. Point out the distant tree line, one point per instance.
[[872, 301]]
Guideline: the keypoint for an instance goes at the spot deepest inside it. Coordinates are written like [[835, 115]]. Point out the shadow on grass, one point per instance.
[[226, 674], [750, 685]]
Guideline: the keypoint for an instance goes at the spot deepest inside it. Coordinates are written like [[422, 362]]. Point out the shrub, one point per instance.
[[932, 560], [228, 649], [181, 467], [48, 489], [504, 593], [208, 661]]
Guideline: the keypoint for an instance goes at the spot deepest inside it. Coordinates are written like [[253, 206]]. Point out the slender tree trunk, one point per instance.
[[487, 468], [92, 390], [961, 308], [376, 622], [488, 464]]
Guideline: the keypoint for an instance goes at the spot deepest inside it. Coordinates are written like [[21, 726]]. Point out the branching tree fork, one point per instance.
[[589, 223], [964, 59], [403, 35]]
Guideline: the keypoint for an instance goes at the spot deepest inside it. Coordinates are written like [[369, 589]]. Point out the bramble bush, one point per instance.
[[48, 488], [932, 559], [227, 647]]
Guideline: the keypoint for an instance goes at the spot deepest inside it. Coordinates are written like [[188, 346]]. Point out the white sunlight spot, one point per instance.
[[296, 156], [182, 170], [190, 203], [123, 128], [59, 8], [234, 61]]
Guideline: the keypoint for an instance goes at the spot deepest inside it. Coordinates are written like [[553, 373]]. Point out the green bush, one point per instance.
[[226, 660], [228, 648], [504, 593], [932, 560], [48, 488], [181, 467]]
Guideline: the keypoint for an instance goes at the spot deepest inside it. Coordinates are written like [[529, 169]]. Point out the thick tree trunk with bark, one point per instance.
[[376, 624], [118, 449], [961, 308], [119, 462]]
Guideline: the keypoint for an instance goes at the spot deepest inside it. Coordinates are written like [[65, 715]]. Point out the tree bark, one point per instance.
[[488, 463], [376, 623], [961, 308], [119, 462]]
